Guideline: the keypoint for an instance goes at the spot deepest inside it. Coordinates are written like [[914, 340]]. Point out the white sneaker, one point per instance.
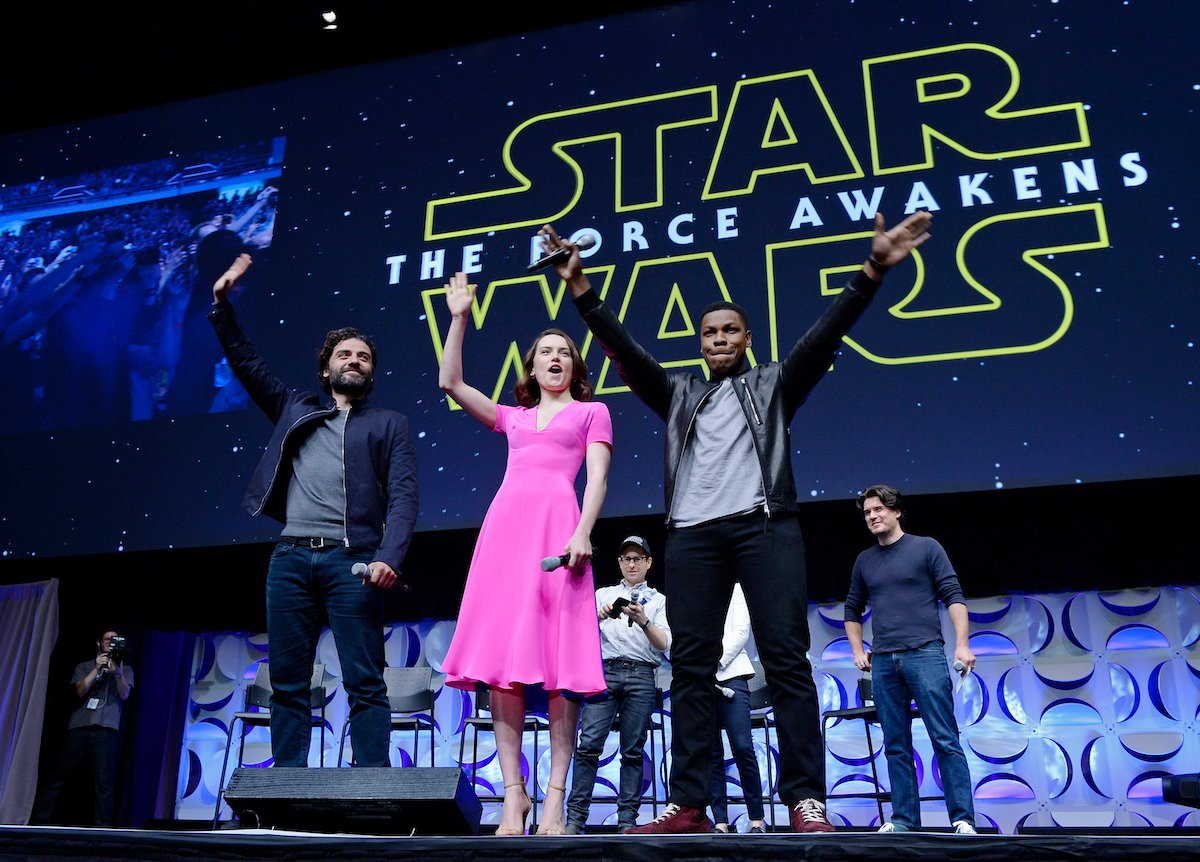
[[962, 827], [888, 827]]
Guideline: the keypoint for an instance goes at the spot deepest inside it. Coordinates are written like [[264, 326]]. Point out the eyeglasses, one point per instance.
[[632, 559]]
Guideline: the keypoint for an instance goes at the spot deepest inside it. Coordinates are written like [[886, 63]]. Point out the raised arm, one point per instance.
[[635, 366], [459, 296], [267, 390], [810, 358]]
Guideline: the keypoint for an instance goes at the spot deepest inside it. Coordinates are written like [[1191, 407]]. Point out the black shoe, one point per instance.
[[757, 829]]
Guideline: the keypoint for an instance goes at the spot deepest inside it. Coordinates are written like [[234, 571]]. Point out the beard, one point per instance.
[[351, 387]]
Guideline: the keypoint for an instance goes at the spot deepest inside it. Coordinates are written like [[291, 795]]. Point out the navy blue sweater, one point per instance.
[[904, 581]]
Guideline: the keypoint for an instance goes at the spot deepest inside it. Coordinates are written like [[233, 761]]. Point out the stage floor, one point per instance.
[[29, 843]]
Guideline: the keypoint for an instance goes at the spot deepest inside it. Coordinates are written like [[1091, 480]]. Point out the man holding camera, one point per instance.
[[633, 637], [102, 684]]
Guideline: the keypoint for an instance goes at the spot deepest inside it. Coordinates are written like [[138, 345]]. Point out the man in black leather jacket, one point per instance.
[[731, 503]]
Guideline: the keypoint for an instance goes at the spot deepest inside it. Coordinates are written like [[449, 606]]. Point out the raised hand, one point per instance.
[[890, 247], [225, 283], [459, 294], [572, 266]]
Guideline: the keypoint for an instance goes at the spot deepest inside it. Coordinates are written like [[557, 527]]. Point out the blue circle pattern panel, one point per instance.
[[1079, 705]]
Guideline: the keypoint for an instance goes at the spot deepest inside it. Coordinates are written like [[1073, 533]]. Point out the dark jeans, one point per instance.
[[733, 714], [99, 746], [301, 583], [897, 679], [765, 555], [630, 699]]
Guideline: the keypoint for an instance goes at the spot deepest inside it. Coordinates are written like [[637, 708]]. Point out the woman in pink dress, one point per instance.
[[517, 624]]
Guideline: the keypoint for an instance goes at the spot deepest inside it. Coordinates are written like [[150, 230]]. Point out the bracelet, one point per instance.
[[645, 625], [879, 267]]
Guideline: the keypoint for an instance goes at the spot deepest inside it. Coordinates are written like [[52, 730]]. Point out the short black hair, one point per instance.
[[887, 495], [726, 305]]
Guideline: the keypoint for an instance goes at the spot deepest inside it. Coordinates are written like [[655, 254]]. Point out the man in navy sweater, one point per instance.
[[904, 576]]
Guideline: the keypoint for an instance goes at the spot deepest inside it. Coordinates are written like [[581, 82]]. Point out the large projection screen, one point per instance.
[[1045, 336]]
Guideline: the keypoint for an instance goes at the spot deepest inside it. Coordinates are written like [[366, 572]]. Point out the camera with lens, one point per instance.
[[117, 647]]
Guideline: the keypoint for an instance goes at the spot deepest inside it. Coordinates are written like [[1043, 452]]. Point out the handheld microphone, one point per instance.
[[363, 572], [559, 255], [551, 563], [961, 670], [726, 693], [634, 598]]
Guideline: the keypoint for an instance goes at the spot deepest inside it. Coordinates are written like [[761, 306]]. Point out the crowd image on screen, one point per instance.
[[104, 309]]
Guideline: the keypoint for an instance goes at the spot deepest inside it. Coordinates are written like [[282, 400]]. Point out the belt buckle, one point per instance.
[[316, 543]]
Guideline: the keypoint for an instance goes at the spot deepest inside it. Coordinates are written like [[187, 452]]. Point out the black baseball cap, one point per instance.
[[639, 541]]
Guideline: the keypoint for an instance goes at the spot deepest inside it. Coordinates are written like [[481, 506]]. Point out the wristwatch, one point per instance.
[[645, 625]]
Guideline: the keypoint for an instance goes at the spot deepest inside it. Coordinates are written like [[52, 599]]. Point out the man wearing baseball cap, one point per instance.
[[634, 635]]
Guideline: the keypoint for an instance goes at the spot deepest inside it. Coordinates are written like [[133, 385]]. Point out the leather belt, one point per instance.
[[628, 662], [313, 543]]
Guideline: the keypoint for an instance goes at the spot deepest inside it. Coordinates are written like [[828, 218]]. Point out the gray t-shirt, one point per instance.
[[104, 701], [316, 495], [719, 473]]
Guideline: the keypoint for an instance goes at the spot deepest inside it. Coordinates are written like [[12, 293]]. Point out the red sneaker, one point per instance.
[[808, 815], [676, 820]]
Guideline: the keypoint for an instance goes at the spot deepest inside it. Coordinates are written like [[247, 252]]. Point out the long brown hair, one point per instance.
[[527, 391]]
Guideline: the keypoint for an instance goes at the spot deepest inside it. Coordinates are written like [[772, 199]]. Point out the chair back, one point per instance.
[[316, 691], [864, 690], [760, 695], [259, 692], [409, 689]]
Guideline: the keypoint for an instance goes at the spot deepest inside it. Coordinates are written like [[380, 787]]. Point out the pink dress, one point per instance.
[[518, 624]]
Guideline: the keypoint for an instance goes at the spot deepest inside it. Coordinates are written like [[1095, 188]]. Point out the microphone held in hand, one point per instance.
[[559, 255], [551, 563], [961, 669], [363, 572]]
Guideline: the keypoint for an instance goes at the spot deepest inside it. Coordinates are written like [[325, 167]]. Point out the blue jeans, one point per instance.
[[897, 679], [305, 587], [630, 699], [733, 714]]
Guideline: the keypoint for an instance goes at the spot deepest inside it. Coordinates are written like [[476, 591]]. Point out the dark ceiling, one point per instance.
[[68, 62]]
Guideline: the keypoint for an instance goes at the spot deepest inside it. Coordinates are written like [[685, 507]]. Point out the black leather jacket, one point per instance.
[[769, 394]]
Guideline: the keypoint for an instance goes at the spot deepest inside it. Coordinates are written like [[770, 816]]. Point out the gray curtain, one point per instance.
[[28, 630]]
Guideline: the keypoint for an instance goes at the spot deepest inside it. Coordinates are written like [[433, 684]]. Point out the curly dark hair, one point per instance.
[[527, 391], [887, 495], [332, 339]]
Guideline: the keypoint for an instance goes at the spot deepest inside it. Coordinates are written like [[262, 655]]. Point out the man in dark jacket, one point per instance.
[[731, 516], [341, 475]]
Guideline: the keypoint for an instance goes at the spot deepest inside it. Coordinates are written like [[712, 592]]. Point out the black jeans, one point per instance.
[[99, 746], [765, 555]]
